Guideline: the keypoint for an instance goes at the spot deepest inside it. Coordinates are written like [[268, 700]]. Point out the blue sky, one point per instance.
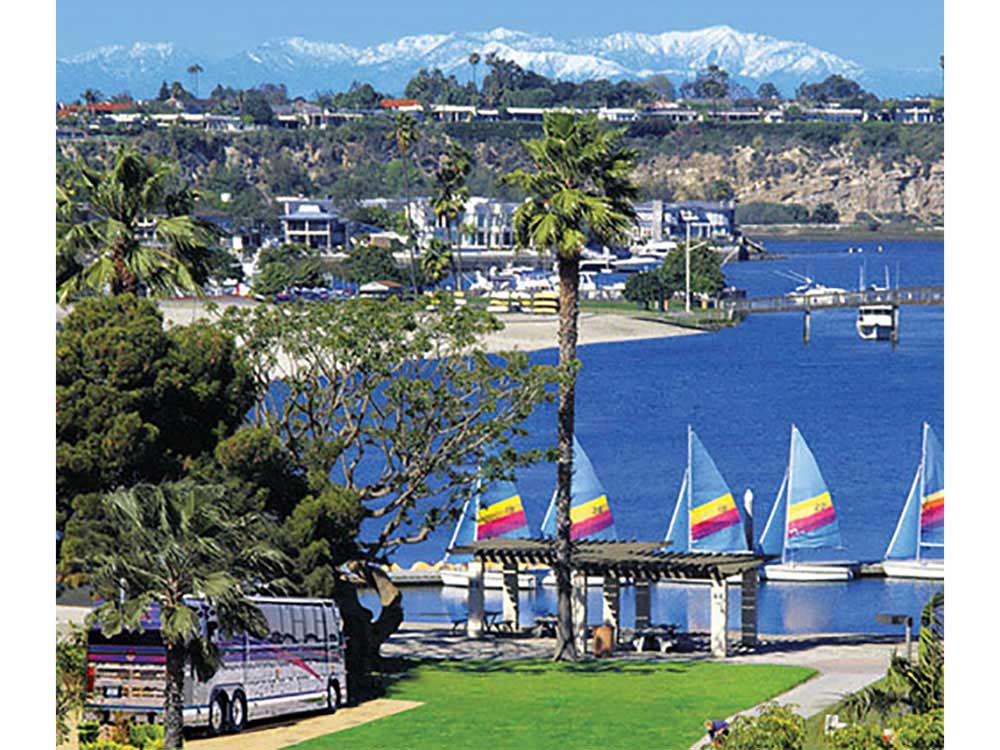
[[875, 33]]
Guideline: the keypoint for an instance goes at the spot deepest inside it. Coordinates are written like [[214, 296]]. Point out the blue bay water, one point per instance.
[[859, 404]]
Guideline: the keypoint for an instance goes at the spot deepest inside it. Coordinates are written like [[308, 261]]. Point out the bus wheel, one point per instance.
[[332, 696], [238, 712], [217, 714]]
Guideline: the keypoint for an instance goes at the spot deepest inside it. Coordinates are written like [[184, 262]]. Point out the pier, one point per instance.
[[831, 300]]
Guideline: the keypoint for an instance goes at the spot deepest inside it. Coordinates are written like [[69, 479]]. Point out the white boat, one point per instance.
[[493, 510], [492, 579], [921, 523], [876, 322], [802, 518], [549, 580], [811, 291]]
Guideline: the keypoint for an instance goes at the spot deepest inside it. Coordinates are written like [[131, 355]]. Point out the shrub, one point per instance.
[[774, 728], [88, 731], [146, 736], [105, 745], [921, 731], [857, 737]]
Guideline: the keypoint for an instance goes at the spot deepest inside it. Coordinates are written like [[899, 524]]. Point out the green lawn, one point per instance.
[[537, 704]]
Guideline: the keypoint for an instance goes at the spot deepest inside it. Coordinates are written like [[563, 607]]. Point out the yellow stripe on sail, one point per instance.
[[589, 509], [499, 509], [712, 508], [806, 508], [939, 495]]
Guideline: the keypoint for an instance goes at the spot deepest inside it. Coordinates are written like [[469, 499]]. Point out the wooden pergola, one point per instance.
[[641, 563]]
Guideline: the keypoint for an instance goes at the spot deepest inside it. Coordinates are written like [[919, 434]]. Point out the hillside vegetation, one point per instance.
[[883, 169]]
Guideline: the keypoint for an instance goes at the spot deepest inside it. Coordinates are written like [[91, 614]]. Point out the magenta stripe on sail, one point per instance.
[[714, 525], [591, 525], [813, 522], [501, 525]]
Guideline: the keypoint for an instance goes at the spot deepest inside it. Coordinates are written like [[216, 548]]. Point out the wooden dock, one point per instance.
[[917, 295]]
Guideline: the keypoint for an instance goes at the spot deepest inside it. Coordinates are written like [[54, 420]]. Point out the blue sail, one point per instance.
[[773, 537], [590, 514], [714, 519], [932, 491], [465, 532], [811, 521], [903, 545], [677, 531]]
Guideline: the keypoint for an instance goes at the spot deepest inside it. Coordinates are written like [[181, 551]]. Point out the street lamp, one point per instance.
[[688, 218]]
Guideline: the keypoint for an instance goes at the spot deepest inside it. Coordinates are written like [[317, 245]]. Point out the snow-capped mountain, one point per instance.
[[307, 66]]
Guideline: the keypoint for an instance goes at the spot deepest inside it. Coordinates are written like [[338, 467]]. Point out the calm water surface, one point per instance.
[[859, 404]]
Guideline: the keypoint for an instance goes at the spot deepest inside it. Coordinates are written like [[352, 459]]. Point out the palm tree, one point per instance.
[[92, 96], [452, 193], [436, 261], [474, 61], [580, 188], [405, 134], [174, 543], [194, 70], [98, 214]]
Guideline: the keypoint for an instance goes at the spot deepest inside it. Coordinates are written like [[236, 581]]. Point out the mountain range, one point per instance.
[[307, 66]]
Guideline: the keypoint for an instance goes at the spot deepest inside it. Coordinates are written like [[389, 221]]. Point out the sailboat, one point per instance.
[[589, 513], [802, 517], [493, 510], [705, 518], [921, 524]]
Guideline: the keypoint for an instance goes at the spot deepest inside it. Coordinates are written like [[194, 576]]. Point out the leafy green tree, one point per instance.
[[706, 271], [164, 92], [646, 288], [579, 187], [257, 108], [711, 83], [98, 215], [719, 189], [836, 89], [405, 133], [825, 213], [178, 548], [137, 403], [92, 96], [768, 92], [451, 194], [436, 261], [281, 268], [366, 262], [662, 86], [71, 680], [385, 409]]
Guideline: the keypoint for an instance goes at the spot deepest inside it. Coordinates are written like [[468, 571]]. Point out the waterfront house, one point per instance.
[[658, 221], [312, 222]]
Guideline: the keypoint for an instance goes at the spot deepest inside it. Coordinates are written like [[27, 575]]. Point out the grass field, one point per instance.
[[531, 705]]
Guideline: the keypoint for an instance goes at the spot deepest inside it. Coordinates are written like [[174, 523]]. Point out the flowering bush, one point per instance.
[[774, 728]]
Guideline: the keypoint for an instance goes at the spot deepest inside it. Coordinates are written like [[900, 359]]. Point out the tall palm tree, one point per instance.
[[405, 134], [194, 70], [98, 214], [451, 196], [474, 62], [580, 187], [174, 543], [92, 96]]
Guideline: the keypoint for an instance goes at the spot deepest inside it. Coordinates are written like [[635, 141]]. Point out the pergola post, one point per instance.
[[611, 603], [580, 611], [720, 611], [474, 624], [511, 603], [642, 604], [748, 608]]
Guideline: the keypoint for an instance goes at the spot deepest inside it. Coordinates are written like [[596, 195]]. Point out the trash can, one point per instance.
[[604, 640]]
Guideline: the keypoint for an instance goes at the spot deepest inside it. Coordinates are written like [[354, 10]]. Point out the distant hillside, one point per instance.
[[308, 66], [888, 170]]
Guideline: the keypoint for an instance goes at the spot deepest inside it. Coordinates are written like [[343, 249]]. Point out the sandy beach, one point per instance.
[[521, 332]]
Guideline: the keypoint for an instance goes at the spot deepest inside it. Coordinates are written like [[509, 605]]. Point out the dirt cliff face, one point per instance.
[[871, 184]]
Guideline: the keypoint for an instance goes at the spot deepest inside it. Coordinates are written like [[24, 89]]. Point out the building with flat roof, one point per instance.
[[312, 222], [659, 220]]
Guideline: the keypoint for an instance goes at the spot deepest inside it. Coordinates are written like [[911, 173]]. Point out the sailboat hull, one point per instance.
[[492, 579], [926, 569], [806, 572]]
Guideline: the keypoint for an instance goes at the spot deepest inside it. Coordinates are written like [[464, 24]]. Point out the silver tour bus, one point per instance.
[[299, 666]]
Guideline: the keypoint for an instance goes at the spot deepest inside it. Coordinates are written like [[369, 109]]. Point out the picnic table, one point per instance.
[[658, 637], [545, 626], [492, 622]]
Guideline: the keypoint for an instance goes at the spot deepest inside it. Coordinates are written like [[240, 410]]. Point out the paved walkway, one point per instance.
[[294, 730]]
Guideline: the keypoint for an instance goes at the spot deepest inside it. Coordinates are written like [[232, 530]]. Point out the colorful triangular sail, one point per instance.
[[705, 517], [494, 510], [590, 513], [811, 521], [921, 524]]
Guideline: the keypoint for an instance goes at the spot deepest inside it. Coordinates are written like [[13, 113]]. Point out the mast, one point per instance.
[[462, 519], [923, 474], [677, 507], [687, 500], [774, 509], [788, 491]]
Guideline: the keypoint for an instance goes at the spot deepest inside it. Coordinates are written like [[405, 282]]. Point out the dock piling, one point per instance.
[[806, 324]]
